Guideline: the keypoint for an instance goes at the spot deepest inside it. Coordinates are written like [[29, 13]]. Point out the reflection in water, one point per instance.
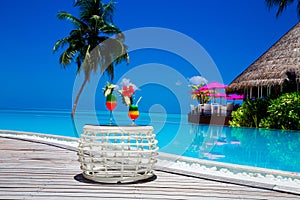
[[273, 149]]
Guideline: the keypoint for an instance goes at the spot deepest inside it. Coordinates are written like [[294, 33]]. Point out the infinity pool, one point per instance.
[[272, 149]]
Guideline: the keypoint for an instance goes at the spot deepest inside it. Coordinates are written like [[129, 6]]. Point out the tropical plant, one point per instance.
[[94, 43], [250, 113], [282, 4], [283, 112], [201, 96]]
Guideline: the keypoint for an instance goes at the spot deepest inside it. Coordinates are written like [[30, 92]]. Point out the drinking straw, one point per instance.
[[138, 100]]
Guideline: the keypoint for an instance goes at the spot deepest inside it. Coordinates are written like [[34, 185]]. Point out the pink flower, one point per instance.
[[127, 91]]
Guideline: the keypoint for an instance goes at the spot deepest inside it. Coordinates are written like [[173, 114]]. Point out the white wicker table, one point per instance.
[[113, 154]]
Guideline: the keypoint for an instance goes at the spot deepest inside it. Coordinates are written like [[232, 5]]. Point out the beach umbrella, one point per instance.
[[213, 86], [235, 97], [218, 95]]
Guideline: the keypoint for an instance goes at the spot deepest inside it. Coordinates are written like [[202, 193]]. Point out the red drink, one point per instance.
[[111, 102]]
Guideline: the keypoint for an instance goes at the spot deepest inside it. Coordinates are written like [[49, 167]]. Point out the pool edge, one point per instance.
[[164, 163]]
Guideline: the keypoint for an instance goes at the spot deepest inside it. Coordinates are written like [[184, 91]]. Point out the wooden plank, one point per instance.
[[116, 195], [38, 171], [157, 191]]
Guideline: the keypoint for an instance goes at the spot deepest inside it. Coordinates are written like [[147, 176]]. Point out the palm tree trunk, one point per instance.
[[83, 84], [77, 97]]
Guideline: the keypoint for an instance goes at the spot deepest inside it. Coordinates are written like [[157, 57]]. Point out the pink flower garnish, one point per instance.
[[127, 91]]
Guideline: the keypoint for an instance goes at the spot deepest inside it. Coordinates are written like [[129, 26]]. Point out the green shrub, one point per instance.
[[283, 112], [250, 113]]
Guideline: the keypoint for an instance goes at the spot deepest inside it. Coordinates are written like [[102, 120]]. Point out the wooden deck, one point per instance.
[[33, 170], [209, 119]]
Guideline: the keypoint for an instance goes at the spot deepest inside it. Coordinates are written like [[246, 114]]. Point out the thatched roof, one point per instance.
[[275, 66]]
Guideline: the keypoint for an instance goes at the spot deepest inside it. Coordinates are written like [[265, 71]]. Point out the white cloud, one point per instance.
[[178, 83], [127, 82], [196, 80]]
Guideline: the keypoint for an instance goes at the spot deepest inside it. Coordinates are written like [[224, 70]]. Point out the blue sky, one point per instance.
[[234, 33]]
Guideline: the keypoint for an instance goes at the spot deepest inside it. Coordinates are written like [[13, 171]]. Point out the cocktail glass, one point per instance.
[[133, 113], [111, 104]]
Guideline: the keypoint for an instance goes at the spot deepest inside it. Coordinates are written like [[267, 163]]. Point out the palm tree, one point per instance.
[[94, 43], [282, 4]]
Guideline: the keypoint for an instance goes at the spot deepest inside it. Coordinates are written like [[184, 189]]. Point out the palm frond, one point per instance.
[[108, 10], [298, 8], [122, 58], [79, 63], [60, 44], [96, 21], [67, 57], [88, 8], [98, 55], [67, 16], [115, 47], [110, 71], [96, 18], [120, 36], [101, 39], [281, 4], [109, 29]]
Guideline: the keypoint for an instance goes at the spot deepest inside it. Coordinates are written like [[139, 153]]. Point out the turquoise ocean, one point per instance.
[[272, 149]]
